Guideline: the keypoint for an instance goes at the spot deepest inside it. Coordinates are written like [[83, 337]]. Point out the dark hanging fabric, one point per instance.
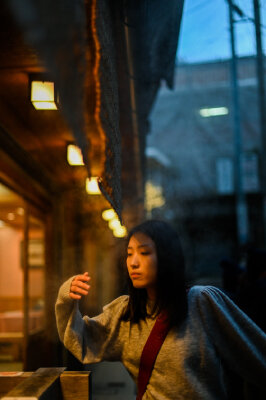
[[153, 27], [107, 110]]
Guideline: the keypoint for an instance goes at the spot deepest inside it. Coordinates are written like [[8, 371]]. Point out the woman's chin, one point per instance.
[[137, 285]]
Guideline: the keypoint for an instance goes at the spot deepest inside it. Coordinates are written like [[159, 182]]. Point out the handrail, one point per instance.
[[8, 380], [47, 384], [76, 385]]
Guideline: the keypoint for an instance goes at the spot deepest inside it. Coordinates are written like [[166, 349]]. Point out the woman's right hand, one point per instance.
[[79, 286]]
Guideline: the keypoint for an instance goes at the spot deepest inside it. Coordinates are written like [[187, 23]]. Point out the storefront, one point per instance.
[[22, 275]]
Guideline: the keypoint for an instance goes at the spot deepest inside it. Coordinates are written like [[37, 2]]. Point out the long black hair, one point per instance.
[[171, 296]]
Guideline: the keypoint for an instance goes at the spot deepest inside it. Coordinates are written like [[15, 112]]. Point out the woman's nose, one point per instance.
[[134, 261]]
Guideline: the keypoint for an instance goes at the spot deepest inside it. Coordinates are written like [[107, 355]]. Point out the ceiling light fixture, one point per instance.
[[92, 186], [108, 214], [43, 95], [10, 216], [20, 211], [213, 111], [74, 155], [120, 232], [114, 223]]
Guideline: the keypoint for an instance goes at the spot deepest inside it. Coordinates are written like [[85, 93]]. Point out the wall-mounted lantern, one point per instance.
[[43, 95], [92, 186], [74, 155]]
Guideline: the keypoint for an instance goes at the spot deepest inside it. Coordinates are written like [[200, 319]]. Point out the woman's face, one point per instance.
[[142, 263]]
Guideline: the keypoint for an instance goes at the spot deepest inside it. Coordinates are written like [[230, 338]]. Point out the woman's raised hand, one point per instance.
[[79, 286]]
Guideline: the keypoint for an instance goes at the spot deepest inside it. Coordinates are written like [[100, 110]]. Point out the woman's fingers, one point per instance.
[[79, 286], [77, 289], [74, 296], [84, 277], [80, 280], [76, 292]]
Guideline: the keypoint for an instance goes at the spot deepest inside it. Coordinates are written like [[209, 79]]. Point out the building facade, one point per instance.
[[193, 127]]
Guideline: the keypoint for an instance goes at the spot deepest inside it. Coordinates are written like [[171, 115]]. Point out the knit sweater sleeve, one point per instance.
[[239, 342], [90, 340]]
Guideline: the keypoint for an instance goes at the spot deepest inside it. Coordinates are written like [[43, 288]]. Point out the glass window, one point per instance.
[[22, 278]]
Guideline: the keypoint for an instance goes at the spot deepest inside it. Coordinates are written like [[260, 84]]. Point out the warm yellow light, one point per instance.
[[213, 112], [2, 224], [20, 211], [92, 186], [108, 214], [120, 232], [43, 95], [74, 155], [153, 196], [44, 105], [11, 216], [114, 223]]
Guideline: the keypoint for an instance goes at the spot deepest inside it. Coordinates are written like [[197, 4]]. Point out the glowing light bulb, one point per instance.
[[20, 211], [43, 95], [11, 216], [92, 186], [74, 155], [120, 232], [108, 214], [114, 223]]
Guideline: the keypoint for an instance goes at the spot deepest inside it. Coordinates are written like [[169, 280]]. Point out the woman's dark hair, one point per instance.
[[171, 290]]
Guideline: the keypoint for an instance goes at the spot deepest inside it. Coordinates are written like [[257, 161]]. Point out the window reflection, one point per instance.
[[36, 262], [21, 278], [11, 278]]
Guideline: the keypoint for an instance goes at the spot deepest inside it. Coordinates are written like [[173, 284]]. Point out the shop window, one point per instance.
[[22, 277]]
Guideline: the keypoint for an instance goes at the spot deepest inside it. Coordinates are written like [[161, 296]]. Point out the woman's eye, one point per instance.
[[144, 253], [129, 254]]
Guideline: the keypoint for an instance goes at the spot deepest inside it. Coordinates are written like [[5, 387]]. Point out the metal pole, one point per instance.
[[262, 105], [241, 205]]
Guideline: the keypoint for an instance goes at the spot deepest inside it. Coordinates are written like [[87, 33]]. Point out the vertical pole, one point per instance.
[[241, 205], [26, 288], [262, 106]]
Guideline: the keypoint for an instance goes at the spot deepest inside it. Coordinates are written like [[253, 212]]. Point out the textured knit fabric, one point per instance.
[[192, 361]]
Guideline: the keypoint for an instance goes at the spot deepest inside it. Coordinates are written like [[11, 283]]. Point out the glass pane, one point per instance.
[[36, 270], [11, 279]]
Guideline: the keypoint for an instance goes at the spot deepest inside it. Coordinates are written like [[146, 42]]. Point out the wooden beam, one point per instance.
[[75, 385], [8, 380], [44, 384], [26, 162]]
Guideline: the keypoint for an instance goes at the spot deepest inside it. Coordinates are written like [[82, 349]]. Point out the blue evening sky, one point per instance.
[[205, 35]]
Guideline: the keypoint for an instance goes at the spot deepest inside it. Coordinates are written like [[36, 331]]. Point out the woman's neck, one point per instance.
[[151, 294]]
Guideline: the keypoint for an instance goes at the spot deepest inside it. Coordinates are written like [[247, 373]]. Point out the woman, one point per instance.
[[205, 332]]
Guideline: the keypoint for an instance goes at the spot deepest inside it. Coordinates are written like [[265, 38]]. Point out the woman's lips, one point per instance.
[[135, 275]]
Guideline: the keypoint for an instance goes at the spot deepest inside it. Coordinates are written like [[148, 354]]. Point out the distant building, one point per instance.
[[192, 127]]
